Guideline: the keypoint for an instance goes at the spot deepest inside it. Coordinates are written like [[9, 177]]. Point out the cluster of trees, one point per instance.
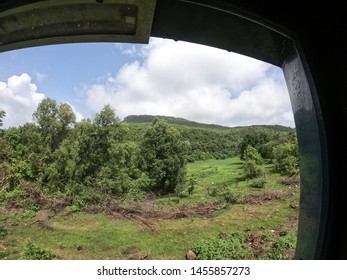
[[279, 149], [92, 159], [207, 141]]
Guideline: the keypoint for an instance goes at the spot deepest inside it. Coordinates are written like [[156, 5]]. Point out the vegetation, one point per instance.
[[163, 156], [33, 252], [148, 180], [225, 247]]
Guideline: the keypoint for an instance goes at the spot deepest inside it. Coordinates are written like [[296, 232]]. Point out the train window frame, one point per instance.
[[217, 24]]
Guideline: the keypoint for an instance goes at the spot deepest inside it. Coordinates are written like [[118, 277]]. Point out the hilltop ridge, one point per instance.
[[185, 122]]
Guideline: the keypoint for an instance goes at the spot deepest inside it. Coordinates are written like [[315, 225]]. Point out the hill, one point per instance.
[[208, 141], [170, 120], [181, 121]]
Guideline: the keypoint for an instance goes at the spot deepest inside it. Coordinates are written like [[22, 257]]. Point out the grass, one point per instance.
[[95, 236]]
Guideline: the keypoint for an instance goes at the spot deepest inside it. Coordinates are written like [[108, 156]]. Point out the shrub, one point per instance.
[[279, 249], [258, 183], [3, 232], [233, 246], [33, 252], [252, 170]]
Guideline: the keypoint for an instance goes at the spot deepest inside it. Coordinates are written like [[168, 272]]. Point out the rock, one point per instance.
[[131, 251], [295, 206], [224, 235], [139, 256], [191, 255], [134, 253]]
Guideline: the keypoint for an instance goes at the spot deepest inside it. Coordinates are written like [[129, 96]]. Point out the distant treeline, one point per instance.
[[210, 141]]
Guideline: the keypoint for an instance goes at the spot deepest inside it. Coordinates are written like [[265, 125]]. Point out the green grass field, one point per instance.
[[97, 236]]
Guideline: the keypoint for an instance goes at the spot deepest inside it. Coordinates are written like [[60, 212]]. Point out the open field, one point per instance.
[[220, 204]]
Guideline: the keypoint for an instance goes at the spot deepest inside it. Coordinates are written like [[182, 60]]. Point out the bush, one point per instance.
[[33, 252], [251, 170], [258, 183], [279, 249], [233, 246], [3, 232], [11, 195]]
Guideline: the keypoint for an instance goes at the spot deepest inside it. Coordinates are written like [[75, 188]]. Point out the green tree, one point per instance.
[[54, 121], [46, 116], [67, 119], [252, 161], [254, 139], [286, 158], [266, 150], [2, 115], [252, 170], [107, 117], [163, 156], [192, 181], [250, 153], [94, 161]]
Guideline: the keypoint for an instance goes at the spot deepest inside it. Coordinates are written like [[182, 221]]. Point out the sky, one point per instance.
[[164, 77]]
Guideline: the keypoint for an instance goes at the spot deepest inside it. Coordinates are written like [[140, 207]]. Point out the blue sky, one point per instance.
[[162, 78]]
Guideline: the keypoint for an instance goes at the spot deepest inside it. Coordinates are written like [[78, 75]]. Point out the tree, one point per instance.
[[66, 118], [250, 153], [94, 161], [252, 160], [287, 159], [254, 139], [2, 115], [46, 115], [163, 156], [106, 117], [251, 170], [54, 121]]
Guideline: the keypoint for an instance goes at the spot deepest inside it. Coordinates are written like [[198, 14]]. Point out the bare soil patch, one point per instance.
[[267, 196], [147, 218]]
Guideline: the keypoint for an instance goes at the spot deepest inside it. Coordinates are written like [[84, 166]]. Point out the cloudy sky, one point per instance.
[[165, 77]]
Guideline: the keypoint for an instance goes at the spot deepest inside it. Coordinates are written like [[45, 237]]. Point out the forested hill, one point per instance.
[[181, 121], [207, 141], [170, 120]]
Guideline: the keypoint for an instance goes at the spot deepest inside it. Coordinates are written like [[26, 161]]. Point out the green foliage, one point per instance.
[[232, 247], [252, 170], [23, 216], [163, 156], [267, 236], [252, 161], [7, 195], [106, 117], [54, 121], [254, 139], [258, 183], [31, 251], [210, 141], [251, 154], [278, 249], [92, 160], [286, 159], [2, 115], [3, 232], [192, 180]]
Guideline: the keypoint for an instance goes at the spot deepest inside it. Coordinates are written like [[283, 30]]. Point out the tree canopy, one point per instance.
[[163, 155], [94, 159]]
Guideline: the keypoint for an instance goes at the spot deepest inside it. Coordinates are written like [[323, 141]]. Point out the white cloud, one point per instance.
[[19, 98], [195, 82], [131, 50], [40, 76], [78, 115]]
